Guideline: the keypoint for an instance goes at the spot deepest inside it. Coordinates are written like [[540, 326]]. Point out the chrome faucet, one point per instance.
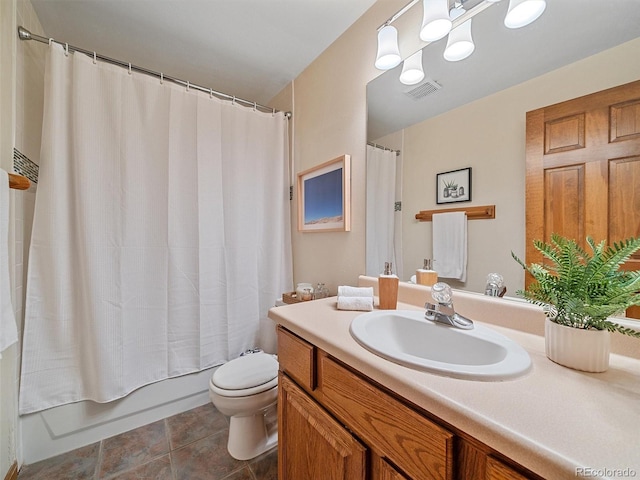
[[495, 285], [443, 311]]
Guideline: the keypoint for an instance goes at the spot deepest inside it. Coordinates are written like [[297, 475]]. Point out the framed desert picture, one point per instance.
[[324, 194]]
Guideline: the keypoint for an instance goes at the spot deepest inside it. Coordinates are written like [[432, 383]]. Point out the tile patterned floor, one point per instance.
[[188, 446]]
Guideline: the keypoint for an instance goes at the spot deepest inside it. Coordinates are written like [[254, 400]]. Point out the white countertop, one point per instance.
[[553, 420]]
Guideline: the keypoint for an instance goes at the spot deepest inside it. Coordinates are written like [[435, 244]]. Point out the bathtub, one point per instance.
[[61, 429]]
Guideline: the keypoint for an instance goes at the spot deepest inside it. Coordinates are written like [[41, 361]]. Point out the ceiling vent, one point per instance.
[[427, 87]]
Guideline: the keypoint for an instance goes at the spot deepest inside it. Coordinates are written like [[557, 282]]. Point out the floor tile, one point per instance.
[[79, 464], [244, 474], [131, 449], [206, 459], [159, 469], [195, 424], [198, 443], [265, 467]]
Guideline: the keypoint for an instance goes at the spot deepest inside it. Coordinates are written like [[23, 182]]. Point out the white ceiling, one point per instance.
[[568, 30], [254, 48], [248, 48]]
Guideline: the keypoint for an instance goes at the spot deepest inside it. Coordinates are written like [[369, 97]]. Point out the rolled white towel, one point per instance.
[[355, 303], [346, 291]]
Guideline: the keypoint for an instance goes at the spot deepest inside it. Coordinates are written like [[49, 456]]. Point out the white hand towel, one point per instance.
[[450, 245], [8, 330], [355, 303], [346, 291]]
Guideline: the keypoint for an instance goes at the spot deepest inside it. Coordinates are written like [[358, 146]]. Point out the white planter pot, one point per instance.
[[586, 350]]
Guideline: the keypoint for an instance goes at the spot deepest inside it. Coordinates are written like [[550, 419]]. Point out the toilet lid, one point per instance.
[[246, 372]]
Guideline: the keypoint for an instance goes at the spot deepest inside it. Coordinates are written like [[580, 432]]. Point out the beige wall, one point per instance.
[[494, 146], [22, 80], [329, 106], [8, 390], [329, 100]]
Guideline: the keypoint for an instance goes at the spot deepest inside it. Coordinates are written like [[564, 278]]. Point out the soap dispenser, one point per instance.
[[388, 288], [425, 275]]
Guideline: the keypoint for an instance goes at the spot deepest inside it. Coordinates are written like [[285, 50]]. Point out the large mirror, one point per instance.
[[472, 114]]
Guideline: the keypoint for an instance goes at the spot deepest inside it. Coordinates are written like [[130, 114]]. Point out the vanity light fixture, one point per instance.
[[388, 55], [523, 12], [437, 22], [459, 43], [412, 71]]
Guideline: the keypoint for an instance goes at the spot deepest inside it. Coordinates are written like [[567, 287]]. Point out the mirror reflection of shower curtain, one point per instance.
[[161, 233], [383, 221]]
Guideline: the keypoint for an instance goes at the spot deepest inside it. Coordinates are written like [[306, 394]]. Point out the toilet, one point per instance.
[[244, 389]]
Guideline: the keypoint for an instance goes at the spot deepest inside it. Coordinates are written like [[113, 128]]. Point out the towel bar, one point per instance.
[[473, 213]]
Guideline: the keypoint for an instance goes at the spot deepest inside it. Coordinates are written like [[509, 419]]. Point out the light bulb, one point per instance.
[[412, 71], [435, 20], [459, 44], [388, 55], [523, 12]]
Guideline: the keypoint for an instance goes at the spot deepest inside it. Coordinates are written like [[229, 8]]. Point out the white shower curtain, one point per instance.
[[161, 233], [383, 222]]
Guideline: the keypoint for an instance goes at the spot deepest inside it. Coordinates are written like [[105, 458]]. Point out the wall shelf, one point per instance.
[[473, 213], [18, 182]]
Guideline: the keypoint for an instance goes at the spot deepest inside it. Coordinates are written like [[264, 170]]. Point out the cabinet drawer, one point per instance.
[[419, 447], [296, 358]]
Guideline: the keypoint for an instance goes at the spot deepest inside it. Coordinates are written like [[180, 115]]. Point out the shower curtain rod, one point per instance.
[[375, 145], [25, 34]]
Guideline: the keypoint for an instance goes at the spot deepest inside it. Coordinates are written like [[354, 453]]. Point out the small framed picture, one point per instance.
[[324, 197], [453, 186]]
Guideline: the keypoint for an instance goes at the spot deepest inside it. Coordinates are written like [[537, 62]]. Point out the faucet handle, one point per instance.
[[441, 293]]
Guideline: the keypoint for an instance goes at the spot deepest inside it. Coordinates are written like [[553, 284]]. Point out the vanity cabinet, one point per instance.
[[313, 444], [387, 472], [335, 423], [496, 470]]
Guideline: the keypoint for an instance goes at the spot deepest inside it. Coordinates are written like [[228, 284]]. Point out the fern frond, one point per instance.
[[607, 260], [580, 288], [625, 330]]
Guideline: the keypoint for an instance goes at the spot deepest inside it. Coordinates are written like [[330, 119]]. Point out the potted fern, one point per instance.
[[579, 291]]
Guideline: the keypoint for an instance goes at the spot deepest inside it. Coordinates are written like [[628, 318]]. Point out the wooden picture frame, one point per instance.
[[324, 197], [453, 186]]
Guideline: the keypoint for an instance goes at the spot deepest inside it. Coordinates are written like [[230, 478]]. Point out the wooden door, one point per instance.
[[311, 444], [583, 170]]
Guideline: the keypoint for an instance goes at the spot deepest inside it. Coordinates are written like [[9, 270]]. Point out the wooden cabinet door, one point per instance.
[[496, 470], [421, 448], [311, 444], [583, 170], [385, 471]]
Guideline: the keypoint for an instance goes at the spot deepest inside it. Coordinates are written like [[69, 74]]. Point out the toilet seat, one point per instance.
[[247, 375]]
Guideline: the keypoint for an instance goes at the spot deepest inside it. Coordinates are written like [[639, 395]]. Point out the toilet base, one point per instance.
[[249, 436]]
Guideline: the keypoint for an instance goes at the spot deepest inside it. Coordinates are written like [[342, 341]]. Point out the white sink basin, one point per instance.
[[407, 338]]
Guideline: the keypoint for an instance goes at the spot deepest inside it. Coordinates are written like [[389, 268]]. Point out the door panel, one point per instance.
[[624, 201], [564, 201], [583, 170], [564, 134], [311, 443], [625, 121]]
